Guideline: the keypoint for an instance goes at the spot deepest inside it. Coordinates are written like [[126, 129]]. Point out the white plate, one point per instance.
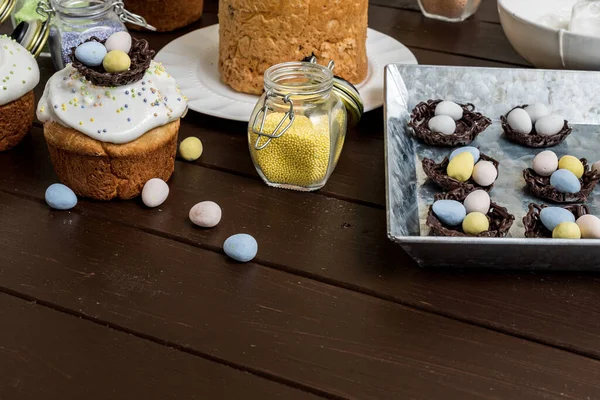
[[193, 60]]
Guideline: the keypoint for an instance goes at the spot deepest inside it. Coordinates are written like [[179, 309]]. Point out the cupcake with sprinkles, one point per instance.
[[20, 75], [111, 118]]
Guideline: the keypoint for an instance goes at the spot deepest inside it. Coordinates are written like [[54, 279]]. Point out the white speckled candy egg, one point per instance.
[[596, 166], [537, 111], [589, 226], [119, 41], [206, 214], [442, 124], [477, 201], [545, 163], [549, 125], [155, 192], [485, 173], [450, 109], [519, 120]]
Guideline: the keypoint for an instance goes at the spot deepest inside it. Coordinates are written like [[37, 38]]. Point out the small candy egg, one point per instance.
[[589, 225], [565, 181], [477, 201], [566, 230], [206, 214], [475, 223], [241, 247], [572, 164], [116, 61], [549, 125], [519, 120], [90, 53], [596, 167], [537, 111], [552, 216], [60, 197], [450, 109], [442, 124], [485, 173], [190, 149], [473, 150], [450, 212], [155, 192], [119, 41], [545, 163], [461, 167]]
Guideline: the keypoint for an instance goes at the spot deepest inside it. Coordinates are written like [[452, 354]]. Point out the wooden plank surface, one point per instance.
[[48, 355], [273, 323]]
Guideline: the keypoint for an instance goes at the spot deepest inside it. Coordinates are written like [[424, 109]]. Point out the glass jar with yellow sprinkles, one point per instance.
[[297, 129]]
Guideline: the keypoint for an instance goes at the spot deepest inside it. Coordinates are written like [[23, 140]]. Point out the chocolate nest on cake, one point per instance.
[[533, 139], [140, 55], [437, 173], [500, 219], [467, 128], [534, 228], [540, 186]]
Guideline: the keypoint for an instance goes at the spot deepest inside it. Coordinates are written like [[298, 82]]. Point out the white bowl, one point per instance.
[[542, 45]]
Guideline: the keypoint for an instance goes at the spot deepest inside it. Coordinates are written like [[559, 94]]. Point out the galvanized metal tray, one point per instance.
[[493, 91]]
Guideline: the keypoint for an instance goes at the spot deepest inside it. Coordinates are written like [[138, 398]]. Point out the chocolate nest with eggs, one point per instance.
[[533, 139], [540, 185], [467, 128], [534, 228], [499, 217], [437, 173]]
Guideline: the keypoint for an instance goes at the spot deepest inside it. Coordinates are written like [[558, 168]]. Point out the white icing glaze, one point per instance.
[[19, 71], [112, 114]]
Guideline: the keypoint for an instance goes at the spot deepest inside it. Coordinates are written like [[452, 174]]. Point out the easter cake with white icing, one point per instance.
[[111, 119], [20, 75]]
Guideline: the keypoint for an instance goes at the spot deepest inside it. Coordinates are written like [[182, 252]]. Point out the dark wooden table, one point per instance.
[[114, 301]]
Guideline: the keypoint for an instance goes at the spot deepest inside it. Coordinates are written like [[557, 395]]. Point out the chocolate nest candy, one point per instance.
[[532, 139], [467, 128], [437, 173], [140, 55], [533, 224], [500, 219], [540, 186]]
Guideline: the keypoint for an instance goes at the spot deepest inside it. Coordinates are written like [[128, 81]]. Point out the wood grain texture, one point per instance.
[[341, 342], [48, 355]]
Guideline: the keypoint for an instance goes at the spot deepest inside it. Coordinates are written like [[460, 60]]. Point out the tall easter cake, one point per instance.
[[20, 75], [110, 132], [256, 35]]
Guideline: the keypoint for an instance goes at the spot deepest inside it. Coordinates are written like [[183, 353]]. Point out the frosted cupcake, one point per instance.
[[20, 75], [110, 128]]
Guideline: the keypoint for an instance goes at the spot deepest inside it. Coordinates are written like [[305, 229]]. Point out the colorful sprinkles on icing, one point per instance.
[[21, 67]]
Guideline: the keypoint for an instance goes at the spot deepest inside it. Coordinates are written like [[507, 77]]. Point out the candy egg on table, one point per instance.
[[118, 41], [565, 181], [485, 173], [537, 111], [552, 216], [589, 225], [519, 120], [155, 192], [60, 197], [91, 54], [442, 124], [116, 61], [449, 212], [549, 125], [461, 167], [545, 163], [566, 230], [206, 214], [190, 149], [450, 109], [572, 164], [473, 150], [477, 201], [241, 247], [475, 223]]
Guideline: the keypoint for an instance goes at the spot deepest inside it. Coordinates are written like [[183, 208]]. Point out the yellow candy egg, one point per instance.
[[572, 164], [461, 167], [475, 223], [190, 149], [566, 230], [116, 61]]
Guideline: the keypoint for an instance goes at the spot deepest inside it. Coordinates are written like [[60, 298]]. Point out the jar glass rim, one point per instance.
[[81, 8], [298, 77]]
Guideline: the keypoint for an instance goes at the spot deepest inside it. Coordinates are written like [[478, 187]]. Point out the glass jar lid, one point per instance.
[[6, 8]]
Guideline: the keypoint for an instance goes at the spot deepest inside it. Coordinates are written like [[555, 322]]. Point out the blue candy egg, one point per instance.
[[473, 150], [241, 247], [60, 197], [552, 216], [91, 53], [565, 181], [450, 212]]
